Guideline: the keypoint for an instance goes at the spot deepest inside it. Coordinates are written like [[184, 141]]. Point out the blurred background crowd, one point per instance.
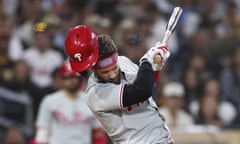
[[200, 85]]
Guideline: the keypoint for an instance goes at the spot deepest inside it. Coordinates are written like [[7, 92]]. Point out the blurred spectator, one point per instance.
[[9, 6], [22, 84], [210, 12], [29, 12], [15, 47], [164, 5], [196, 48], [53, 22], [51, 5], [41, 58], [5, 62], [130, 40], [64, 117], [100, 24], [192, 86], [107, 9], [198, 63], [227, 34], [229, 24], [226, 112], [13, 135], [190, 19], [207, 113], [122, 30], [176, 117], [56, 82], [230, 81]]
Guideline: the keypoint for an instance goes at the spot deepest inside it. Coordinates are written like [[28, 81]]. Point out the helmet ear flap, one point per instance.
[[81, 44]]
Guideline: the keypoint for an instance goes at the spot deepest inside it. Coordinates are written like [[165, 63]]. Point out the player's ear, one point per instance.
[[94, 69]]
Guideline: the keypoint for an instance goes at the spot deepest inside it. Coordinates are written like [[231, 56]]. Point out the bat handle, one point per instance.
[[166, 37]]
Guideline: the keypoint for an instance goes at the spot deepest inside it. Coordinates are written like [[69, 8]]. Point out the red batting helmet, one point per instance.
[[81, 45], [66, 70]]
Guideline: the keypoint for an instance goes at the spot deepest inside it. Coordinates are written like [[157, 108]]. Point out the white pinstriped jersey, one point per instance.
[[68, 121], [138, 124]]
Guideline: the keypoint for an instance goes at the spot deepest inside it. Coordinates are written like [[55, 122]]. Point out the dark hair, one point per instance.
[[107, 46]]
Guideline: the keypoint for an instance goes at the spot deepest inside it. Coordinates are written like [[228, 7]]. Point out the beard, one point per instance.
[[116, 80]]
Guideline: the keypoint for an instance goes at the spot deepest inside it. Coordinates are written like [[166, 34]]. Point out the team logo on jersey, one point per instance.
[[78, 56]]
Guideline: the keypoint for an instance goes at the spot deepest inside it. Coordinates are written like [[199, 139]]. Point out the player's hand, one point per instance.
[[158, 49], [164, 54]]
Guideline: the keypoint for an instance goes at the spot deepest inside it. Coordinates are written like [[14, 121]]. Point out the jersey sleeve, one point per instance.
[[105, 97], [44, 114]]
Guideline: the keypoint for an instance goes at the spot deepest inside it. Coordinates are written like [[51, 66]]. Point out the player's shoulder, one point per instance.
[[127, 65], [124, 59]]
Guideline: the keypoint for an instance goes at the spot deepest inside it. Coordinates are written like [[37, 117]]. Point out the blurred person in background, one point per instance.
[[130, 40], [41, 57], [192, 85], [28, 13], [207, 113], [9, 6], [53, 22], [227, 35], [14, 135], [100, 23], [198, 63], [15, 47], [56, 81], [6, 63], [212, 110], [190, 19], [176, 117], [228, 27], [64, 117], [230, 82], [21, 83], [196, 48]]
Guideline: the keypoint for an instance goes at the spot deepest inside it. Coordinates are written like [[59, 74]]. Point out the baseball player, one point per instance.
[[118, 91], [64, 117]]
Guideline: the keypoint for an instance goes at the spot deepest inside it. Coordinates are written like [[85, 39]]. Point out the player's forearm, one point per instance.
[[141, 88]]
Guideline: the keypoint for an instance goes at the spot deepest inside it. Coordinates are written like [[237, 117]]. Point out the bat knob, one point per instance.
[[157, 59]]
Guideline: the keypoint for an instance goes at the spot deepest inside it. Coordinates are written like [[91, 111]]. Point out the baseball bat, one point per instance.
[[170, 28]]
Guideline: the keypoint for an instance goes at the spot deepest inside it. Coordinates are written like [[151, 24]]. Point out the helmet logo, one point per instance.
[[77, 56]]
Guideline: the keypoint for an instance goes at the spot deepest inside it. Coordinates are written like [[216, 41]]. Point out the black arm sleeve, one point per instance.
[[141, 88]]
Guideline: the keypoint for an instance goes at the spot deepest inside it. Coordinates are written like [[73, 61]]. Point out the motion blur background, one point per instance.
[[205, 59]]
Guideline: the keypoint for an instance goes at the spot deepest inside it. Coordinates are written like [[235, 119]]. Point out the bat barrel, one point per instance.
[[177, 11]]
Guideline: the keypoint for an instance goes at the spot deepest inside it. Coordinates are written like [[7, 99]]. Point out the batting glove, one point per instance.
[[158, 49]]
